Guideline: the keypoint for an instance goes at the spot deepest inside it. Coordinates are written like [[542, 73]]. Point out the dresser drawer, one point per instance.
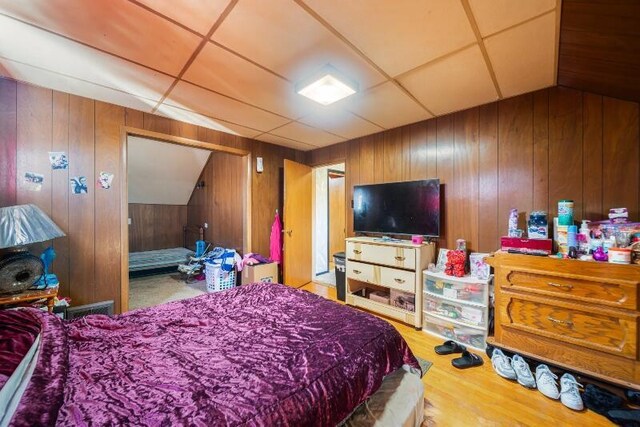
[[362, 272], [593, 291], [610, 331], [398, 279], [381, 254]]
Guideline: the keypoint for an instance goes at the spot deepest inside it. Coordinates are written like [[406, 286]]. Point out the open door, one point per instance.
[[297, 224], [337, 213]]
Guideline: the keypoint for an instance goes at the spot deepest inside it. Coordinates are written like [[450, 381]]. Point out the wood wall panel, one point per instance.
[[34, 121], [620, 155], [60, 190], [156, 226], [82, 215], [8, 141], [525, 152], [600, 47], [219, 203], [565, 149]]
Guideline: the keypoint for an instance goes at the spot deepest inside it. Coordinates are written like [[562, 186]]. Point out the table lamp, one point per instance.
[[20, 226]]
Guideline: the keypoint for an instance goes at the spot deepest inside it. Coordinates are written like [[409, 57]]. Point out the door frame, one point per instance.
[[344, 175], [125, 133]]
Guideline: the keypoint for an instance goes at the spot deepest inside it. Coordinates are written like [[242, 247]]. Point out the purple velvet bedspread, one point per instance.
[[261, 355]]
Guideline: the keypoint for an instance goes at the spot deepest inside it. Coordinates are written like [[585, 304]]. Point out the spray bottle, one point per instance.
[[584, 237]]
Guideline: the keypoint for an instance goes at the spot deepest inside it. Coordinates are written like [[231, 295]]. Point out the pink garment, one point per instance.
[[275, 245]]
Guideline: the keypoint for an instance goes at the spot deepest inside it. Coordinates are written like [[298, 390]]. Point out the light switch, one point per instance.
[[259, 165]]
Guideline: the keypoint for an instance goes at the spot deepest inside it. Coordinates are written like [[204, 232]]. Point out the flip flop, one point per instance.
[[467, 360], [449, 347]]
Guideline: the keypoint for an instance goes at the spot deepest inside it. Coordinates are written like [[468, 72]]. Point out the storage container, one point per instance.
[[470, 289], [403, 300], [471, 314], [218, 279], [466, 335]]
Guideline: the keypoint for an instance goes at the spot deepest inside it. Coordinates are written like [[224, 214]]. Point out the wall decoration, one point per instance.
[[33, 181], [79, 185], [105, 179], [58, 160]]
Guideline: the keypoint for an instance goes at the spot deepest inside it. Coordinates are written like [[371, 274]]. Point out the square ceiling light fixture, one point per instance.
[[327, 86]]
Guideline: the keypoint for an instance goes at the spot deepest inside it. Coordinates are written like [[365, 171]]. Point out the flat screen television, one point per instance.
[[411, 207]]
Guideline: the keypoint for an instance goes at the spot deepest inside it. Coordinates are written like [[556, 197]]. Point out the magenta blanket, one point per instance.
[[260, 355]]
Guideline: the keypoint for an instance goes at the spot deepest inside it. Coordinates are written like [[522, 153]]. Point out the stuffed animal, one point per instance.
[[456, 263]]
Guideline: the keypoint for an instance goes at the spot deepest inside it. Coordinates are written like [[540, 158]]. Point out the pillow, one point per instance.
[[18, 331]]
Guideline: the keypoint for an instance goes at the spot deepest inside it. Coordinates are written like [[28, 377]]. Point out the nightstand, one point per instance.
[[30, 296]]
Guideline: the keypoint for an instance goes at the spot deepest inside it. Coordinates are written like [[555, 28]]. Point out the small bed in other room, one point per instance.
[[261, 354], [169, 257]]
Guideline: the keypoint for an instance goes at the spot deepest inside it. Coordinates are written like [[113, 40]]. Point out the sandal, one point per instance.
[[467, 360], [449, 347]]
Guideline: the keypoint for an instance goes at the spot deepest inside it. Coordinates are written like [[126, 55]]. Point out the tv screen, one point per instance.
[[398, 208]]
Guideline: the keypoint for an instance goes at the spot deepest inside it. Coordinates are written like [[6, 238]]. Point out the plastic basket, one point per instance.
[[218, 279]]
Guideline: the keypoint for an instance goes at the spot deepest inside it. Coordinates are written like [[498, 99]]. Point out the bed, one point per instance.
[[169, 257], [261, 354]]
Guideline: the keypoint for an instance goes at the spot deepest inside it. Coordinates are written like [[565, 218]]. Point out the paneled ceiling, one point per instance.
[[231, 65]]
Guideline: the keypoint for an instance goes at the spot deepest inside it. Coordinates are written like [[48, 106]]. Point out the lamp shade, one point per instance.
[[26, 224]]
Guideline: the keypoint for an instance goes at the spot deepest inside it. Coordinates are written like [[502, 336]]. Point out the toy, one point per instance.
[[455, 265], [600, 255]]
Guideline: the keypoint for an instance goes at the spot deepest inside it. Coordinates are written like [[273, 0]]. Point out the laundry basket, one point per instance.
[[218, 279]]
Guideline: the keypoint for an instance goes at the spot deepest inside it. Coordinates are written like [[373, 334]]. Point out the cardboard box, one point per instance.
[[260, 273], [379, 296]]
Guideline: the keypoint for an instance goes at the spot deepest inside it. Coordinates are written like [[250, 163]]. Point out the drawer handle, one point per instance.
[[560, 322], [357, 252], [557, 285], [400, 258], [399, 280], [357, 271]]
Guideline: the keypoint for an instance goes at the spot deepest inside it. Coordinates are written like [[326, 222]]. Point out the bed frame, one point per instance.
[[192, 229]]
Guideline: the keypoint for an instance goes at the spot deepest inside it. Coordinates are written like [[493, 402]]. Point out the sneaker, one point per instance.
[[569, 393], [502, 365], [525, 377], [547, 382]]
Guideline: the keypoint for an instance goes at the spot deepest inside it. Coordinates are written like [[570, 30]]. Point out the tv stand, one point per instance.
[[377, 267]]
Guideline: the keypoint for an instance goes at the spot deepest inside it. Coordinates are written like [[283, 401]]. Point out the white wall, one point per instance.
[[161, 173]]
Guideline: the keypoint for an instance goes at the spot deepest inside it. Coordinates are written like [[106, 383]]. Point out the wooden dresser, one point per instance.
[[582, 316]]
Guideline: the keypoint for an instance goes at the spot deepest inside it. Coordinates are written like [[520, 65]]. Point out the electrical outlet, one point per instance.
[[205, 225], [129, 221]]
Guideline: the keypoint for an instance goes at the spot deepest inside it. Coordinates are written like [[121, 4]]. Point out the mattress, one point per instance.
[[161, 258]]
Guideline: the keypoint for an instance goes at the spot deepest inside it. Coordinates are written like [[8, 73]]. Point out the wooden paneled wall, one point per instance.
[[219, 203], [156, 226], [34, 121], [525, 152]]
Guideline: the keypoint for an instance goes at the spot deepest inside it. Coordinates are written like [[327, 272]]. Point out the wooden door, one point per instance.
[[337, 214], [297, 225]]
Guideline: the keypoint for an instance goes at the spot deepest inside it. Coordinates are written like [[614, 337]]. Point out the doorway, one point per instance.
[[329, 220], [172, 213]]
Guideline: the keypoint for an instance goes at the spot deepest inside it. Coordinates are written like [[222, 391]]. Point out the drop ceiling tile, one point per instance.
[[194, 98], [116, 26], [340, 122], [284, 38], [399, 35], [452, 84], [226, 73], [72, 59], [285, 142], [388, 106], [51, 80], [495, 15], [303, 133], [201, 120], [199, 15], [533, 44]]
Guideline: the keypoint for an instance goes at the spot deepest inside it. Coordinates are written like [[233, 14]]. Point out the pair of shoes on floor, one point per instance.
[[569, 393], [466, 360], [516, 368]]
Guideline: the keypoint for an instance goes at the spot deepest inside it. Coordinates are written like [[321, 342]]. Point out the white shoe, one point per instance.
[[502, 365], [521, 367], [569, 393], [547, 382]]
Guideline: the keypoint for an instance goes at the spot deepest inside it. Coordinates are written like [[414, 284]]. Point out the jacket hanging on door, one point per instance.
[[275, 245]]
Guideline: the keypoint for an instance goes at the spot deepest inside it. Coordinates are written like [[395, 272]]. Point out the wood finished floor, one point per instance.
[[477, 396]]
